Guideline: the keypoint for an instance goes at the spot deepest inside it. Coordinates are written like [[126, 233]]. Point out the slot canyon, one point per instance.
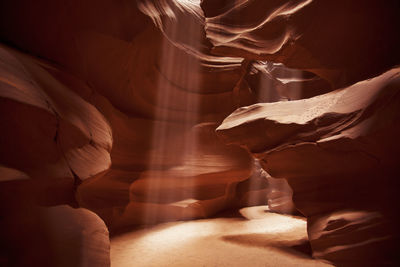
[[199, 133]]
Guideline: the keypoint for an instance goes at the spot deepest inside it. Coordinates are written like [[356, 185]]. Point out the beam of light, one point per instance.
[[178, 81], [276, 83]]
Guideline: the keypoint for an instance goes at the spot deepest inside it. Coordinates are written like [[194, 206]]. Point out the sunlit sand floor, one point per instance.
[[257, 238]]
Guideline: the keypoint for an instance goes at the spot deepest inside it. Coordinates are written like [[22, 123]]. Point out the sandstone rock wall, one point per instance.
[[338, 152], [149, 83], [117, 101], [341, 41]]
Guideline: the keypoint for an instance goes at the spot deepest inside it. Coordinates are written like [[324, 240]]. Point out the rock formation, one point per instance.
[[148, 82], [113, 106], [341, 41], [55, 236], [338, 152], [50, 133]]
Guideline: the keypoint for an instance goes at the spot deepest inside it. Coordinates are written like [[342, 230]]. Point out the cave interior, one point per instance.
[[199, 133]]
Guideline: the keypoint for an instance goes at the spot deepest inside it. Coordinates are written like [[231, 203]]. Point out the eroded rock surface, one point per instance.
[[338, 152], [49, 132], [124, 97], [55, 236], [342, 41], [148, 79]]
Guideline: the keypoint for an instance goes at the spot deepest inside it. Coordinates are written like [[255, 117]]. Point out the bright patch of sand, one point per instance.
[[259, 238]]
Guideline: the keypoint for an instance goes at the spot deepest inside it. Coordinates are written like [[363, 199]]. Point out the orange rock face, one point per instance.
[[113, 106], [338, 152], [148, 82], [206, 178], [54, 236], [342, 41], [50, 133]]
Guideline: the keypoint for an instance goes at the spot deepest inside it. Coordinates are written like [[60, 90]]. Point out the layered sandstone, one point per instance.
[[338, 152], [341, 41], [50, 133], [147, 79], [117, 103], [55, 236]]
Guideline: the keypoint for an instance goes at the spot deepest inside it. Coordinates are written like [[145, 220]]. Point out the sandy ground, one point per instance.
[[257, 238]]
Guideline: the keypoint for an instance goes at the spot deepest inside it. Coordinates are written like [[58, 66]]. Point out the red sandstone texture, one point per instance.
[[50, 133], [338, 152], [113, 106], [150, 84], [54, 236], [342, 41]]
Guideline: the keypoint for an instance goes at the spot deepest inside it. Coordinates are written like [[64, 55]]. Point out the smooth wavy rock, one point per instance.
[[49, 132], [200, 183], [140, 69], [135, 54], [338, 152], [262, 189], [273, 82], [56, 236], [341, 41]]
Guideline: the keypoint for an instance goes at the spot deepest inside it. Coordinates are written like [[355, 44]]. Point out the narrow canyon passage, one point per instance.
[[199, 133], [255, 237]]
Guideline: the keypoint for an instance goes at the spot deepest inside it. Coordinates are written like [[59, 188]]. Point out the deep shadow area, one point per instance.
[[299, 248]]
